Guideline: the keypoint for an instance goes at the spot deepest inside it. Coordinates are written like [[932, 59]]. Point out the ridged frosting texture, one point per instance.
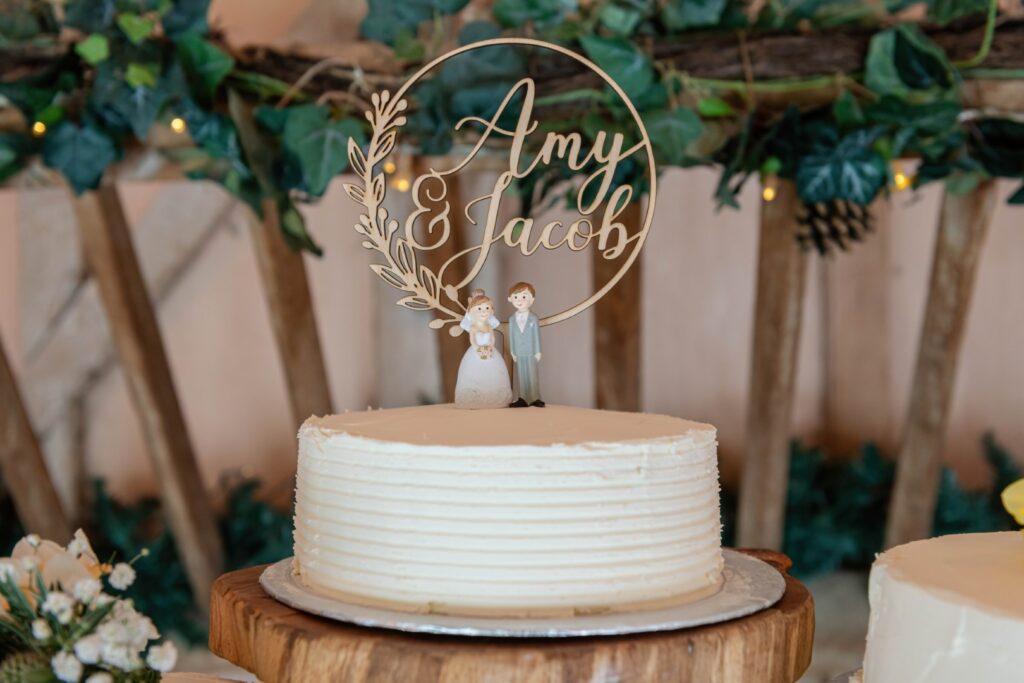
[[948, 610], [491, 512]]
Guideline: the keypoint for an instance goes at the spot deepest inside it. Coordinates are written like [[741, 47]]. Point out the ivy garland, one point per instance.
[[108, 71]]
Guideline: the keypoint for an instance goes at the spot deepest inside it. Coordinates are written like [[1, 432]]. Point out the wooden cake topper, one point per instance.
[[599, 208]]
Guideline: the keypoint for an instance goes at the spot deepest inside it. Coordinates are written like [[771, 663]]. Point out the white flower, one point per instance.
[[59, 605], [101, 677], [41, 629], [89, 648], [66, 668], [122, 577], [8, 570], [85, 590], [30, 563], [102, 600], [33, 540], [162, 657], [125, 634]]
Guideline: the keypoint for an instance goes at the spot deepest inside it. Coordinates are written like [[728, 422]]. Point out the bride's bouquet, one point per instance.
[[58, 622]]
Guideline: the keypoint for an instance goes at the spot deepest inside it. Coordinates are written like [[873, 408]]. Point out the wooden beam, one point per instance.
[[617, 330], [781, 276], [286, 286], [963, 224], [22, 466], [107, 244], [450, 349], [857, 395]]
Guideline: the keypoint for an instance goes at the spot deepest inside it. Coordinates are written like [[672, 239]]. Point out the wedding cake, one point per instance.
[[948, 610], [530, 512]]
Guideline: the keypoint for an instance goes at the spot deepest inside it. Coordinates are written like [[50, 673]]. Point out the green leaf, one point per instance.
[[318, 144], [712, 107], [903, 62], [135, 27], [540, 13], [385, 19], [684, 14], [81, 153], [186, 16], [94, 49], [847, 111], [945, 11], [960, 184], [122, 106], [408, 47], [671, 132], [142, 75], [622, 61], [293, 225], [90, 16], [850, 169], [999, 145], [205, 64], [620, 20], [1017, 197]]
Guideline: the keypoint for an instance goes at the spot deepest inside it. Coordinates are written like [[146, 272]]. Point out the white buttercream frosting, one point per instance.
[[948, 610], [512, 512]]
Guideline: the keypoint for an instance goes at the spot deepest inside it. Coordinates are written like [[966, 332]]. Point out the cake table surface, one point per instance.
[[279, 644]]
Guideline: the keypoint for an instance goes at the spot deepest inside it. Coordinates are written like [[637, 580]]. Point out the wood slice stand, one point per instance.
[[281, 645]]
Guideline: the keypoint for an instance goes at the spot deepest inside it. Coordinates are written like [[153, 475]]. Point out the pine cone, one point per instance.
[[26, 667], [826, 225]]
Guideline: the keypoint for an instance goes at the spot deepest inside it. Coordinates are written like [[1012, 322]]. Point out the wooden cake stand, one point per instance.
[[281, 645]]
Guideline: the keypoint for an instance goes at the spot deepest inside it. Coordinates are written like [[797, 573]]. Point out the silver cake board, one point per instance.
[[750, 585]]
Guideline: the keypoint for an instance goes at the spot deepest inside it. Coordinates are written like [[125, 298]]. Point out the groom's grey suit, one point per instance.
[[524, 344]]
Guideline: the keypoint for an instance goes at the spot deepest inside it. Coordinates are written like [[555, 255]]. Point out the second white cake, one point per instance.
[[508, 512]]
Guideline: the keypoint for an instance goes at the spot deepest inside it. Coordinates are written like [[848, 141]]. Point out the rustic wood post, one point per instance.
[[21, 463], [857, 396], [781, 275], [450, 349], [107, 244], [286, 286], [962, 226], [617, 326]]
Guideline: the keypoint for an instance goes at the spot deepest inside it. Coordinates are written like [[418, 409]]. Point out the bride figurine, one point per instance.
[[483, 377]]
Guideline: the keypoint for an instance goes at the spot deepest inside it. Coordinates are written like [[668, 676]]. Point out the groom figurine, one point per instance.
[[524, 344]]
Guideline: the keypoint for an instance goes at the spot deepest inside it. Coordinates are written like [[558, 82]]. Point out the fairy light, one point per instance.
[[900, 179], [390, 167], [768, 192], [39, 129], [401, 184], [178, 125]]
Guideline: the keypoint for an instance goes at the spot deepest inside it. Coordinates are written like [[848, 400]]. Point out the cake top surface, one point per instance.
[[986, 570], [446, 425]]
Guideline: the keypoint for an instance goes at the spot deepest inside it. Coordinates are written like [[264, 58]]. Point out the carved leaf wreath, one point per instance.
[[400, 268]]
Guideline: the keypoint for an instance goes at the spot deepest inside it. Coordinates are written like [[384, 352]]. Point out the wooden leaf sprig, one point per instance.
[[400, 268]]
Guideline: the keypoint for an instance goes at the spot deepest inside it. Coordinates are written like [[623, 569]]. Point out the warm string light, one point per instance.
[[389, 167], [900, 179], [400, 172], [39, 129], [769, 192], [178, 125]]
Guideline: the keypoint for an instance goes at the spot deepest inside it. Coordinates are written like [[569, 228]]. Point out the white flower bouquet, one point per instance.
[[59, 623]]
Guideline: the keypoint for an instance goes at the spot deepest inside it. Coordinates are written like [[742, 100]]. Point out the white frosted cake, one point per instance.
[[525, 512], [948, 610]]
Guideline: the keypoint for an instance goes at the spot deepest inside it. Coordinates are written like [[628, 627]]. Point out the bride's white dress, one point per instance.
[[483, 383]]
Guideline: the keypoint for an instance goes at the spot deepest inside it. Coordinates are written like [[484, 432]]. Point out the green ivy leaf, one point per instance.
[[81, 153], [713, 107], [475, 84], [408, 47], [122, 106], [620, 20], [999, 145], [622, 61], [684, 14], [186, 16], [142, 75], [385, 19], [671, 132], [94, 49], [135, 27], [848, 169], [319, 144], [293, 226], [847, 111], [945, 11], [540, 13], [903, 62], [1017, 197], [204, 63]]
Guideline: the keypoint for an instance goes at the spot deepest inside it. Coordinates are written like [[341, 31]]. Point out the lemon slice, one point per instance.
[[1013, 499]]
